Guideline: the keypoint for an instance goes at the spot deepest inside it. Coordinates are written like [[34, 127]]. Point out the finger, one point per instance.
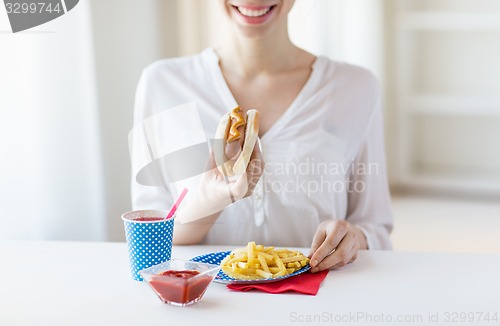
[[342, 255], [212, 165], [342, 263], [354, 256], [254, 173], [335, 232], [319, 237], [255, 169], [210, 162], [257, 150], [240, 187], [257, 157]]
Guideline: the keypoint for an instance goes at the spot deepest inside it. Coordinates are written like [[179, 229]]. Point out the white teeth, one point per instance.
[[253, 13]]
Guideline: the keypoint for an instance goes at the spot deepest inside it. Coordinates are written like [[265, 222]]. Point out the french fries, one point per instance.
[[258, 262]]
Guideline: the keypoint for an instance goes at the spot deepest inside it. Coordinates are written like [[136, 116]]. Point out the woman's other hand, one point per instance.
[[335, 244]]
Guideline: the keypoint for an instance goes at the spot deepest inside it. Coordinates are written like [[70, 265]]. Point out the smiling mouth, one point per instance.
[[254, 12]]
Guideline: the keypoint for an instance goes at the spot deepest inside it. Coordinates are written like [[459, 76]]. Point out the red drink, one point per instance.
[[148, 219], [181, 287]]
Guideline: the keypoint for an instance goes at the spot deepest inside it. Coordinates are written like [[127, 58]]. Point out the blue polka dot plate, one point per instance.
[[216, 258]]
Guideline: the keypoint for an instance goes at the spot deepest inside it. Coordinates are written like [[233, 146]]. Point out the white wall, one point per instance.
[[50, 164], [127, 36], [350, 31], [444, 88]]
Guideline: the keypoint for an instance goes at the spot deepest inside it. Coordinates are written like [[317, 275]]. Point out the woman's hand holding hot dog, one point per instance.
[[236, 154], [235, 140], [236, 166]]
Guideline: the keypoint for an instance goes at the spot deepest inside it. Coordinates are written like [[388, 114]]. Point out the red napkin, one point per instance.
[[306, 283]]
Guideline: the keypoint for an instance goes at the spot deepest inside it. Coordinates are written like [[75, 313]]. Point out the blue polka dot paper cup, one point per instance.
[[149, 239]]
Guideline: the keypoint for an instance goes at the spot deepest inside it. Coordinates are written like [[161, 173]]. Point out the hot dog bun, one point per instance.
[[233, 153]]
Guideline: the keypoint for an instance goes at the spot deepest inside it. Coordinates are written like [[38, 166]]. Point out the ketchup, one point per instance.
[[180, 286], [180, 274], [148, 219]]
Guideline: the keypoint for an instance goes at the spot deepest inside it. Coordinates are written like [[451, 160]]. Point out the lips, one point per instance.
[[253, 14]]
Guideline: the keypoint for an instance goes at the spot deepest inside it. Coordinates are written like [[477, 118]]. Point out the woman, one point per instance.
[[321, 176]]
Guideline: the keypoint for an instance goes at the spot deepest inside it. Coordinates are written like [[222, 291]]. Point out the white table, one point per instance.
[[76, 283]]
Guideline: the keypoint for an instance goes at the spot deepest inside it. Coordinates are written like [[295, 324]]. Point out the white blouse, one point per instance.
[[324, 156]]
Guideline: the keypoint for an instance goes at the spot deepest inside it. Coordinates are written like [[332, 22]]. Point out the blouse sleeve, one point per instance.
[[144, 196], [369, 204]]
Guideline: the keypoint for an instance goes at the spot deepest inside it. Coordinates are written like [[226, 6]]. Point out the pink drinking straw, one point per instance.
[[174, 207]]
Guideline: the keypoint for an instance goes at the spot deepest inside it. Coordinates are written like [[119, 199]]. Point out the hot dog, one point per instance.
[[238, 132]]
